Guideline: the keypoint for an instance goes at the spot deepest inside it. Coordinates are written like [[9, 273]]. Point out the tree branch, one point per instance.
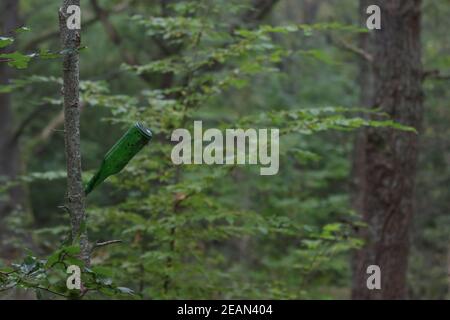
[[341, 43], [103, 244], [54, 33], [435, 74], [22, 126], [112, 33]]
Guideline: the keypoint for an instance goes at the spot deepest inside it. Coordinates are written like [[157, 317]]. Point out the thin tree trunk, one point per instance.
[[387, 167], [71, 40]]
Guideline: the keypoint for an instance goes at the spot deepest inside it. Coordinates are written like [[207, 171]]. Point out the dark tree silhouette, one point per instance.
[[385, 165]]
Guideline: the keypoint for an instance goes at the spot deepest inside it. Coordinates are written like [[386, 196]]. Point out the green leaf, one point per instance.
[[17, 59], [7, 270], [107, 291], [4, 41], [46, 54], [22, 29], [54, 257], [103, 271], [319, 55], [72, 250], [74, 261]]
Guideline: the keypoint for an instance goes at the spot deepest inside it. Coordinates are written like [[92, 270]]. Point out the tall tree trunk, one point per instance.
[[386, 161], [71, 40], [9, 148], [365, 81]]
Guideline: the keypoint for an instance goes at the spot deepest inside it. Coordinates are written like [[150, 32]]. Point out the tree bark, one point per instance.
[[385, 162], [10, 160], [71, 40]]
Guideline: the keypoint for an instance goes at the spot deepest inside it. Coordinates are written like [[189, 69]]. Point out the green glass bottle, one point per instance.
[[120, 154]]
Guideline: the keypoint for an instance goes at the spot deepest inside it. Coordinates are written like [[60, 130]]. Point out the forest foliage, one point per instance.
[[195, 232]]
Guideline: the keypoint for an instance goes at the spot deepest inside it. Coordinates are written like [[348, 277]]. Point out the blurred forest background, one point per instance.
[[212, 232]]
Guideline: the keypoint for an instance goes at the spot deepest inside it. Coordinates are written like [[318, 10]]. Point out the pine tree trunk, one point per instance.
[[385, 164], [71, 40]]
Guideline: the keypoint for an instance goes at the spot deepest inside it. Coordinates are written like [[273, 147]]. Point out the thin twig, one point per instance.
[[52, 292], [105, 243], [354, 49]]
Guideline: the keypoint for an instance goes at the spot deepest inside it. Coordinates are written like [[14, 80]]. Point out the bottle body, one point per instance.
[[120, 154]]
